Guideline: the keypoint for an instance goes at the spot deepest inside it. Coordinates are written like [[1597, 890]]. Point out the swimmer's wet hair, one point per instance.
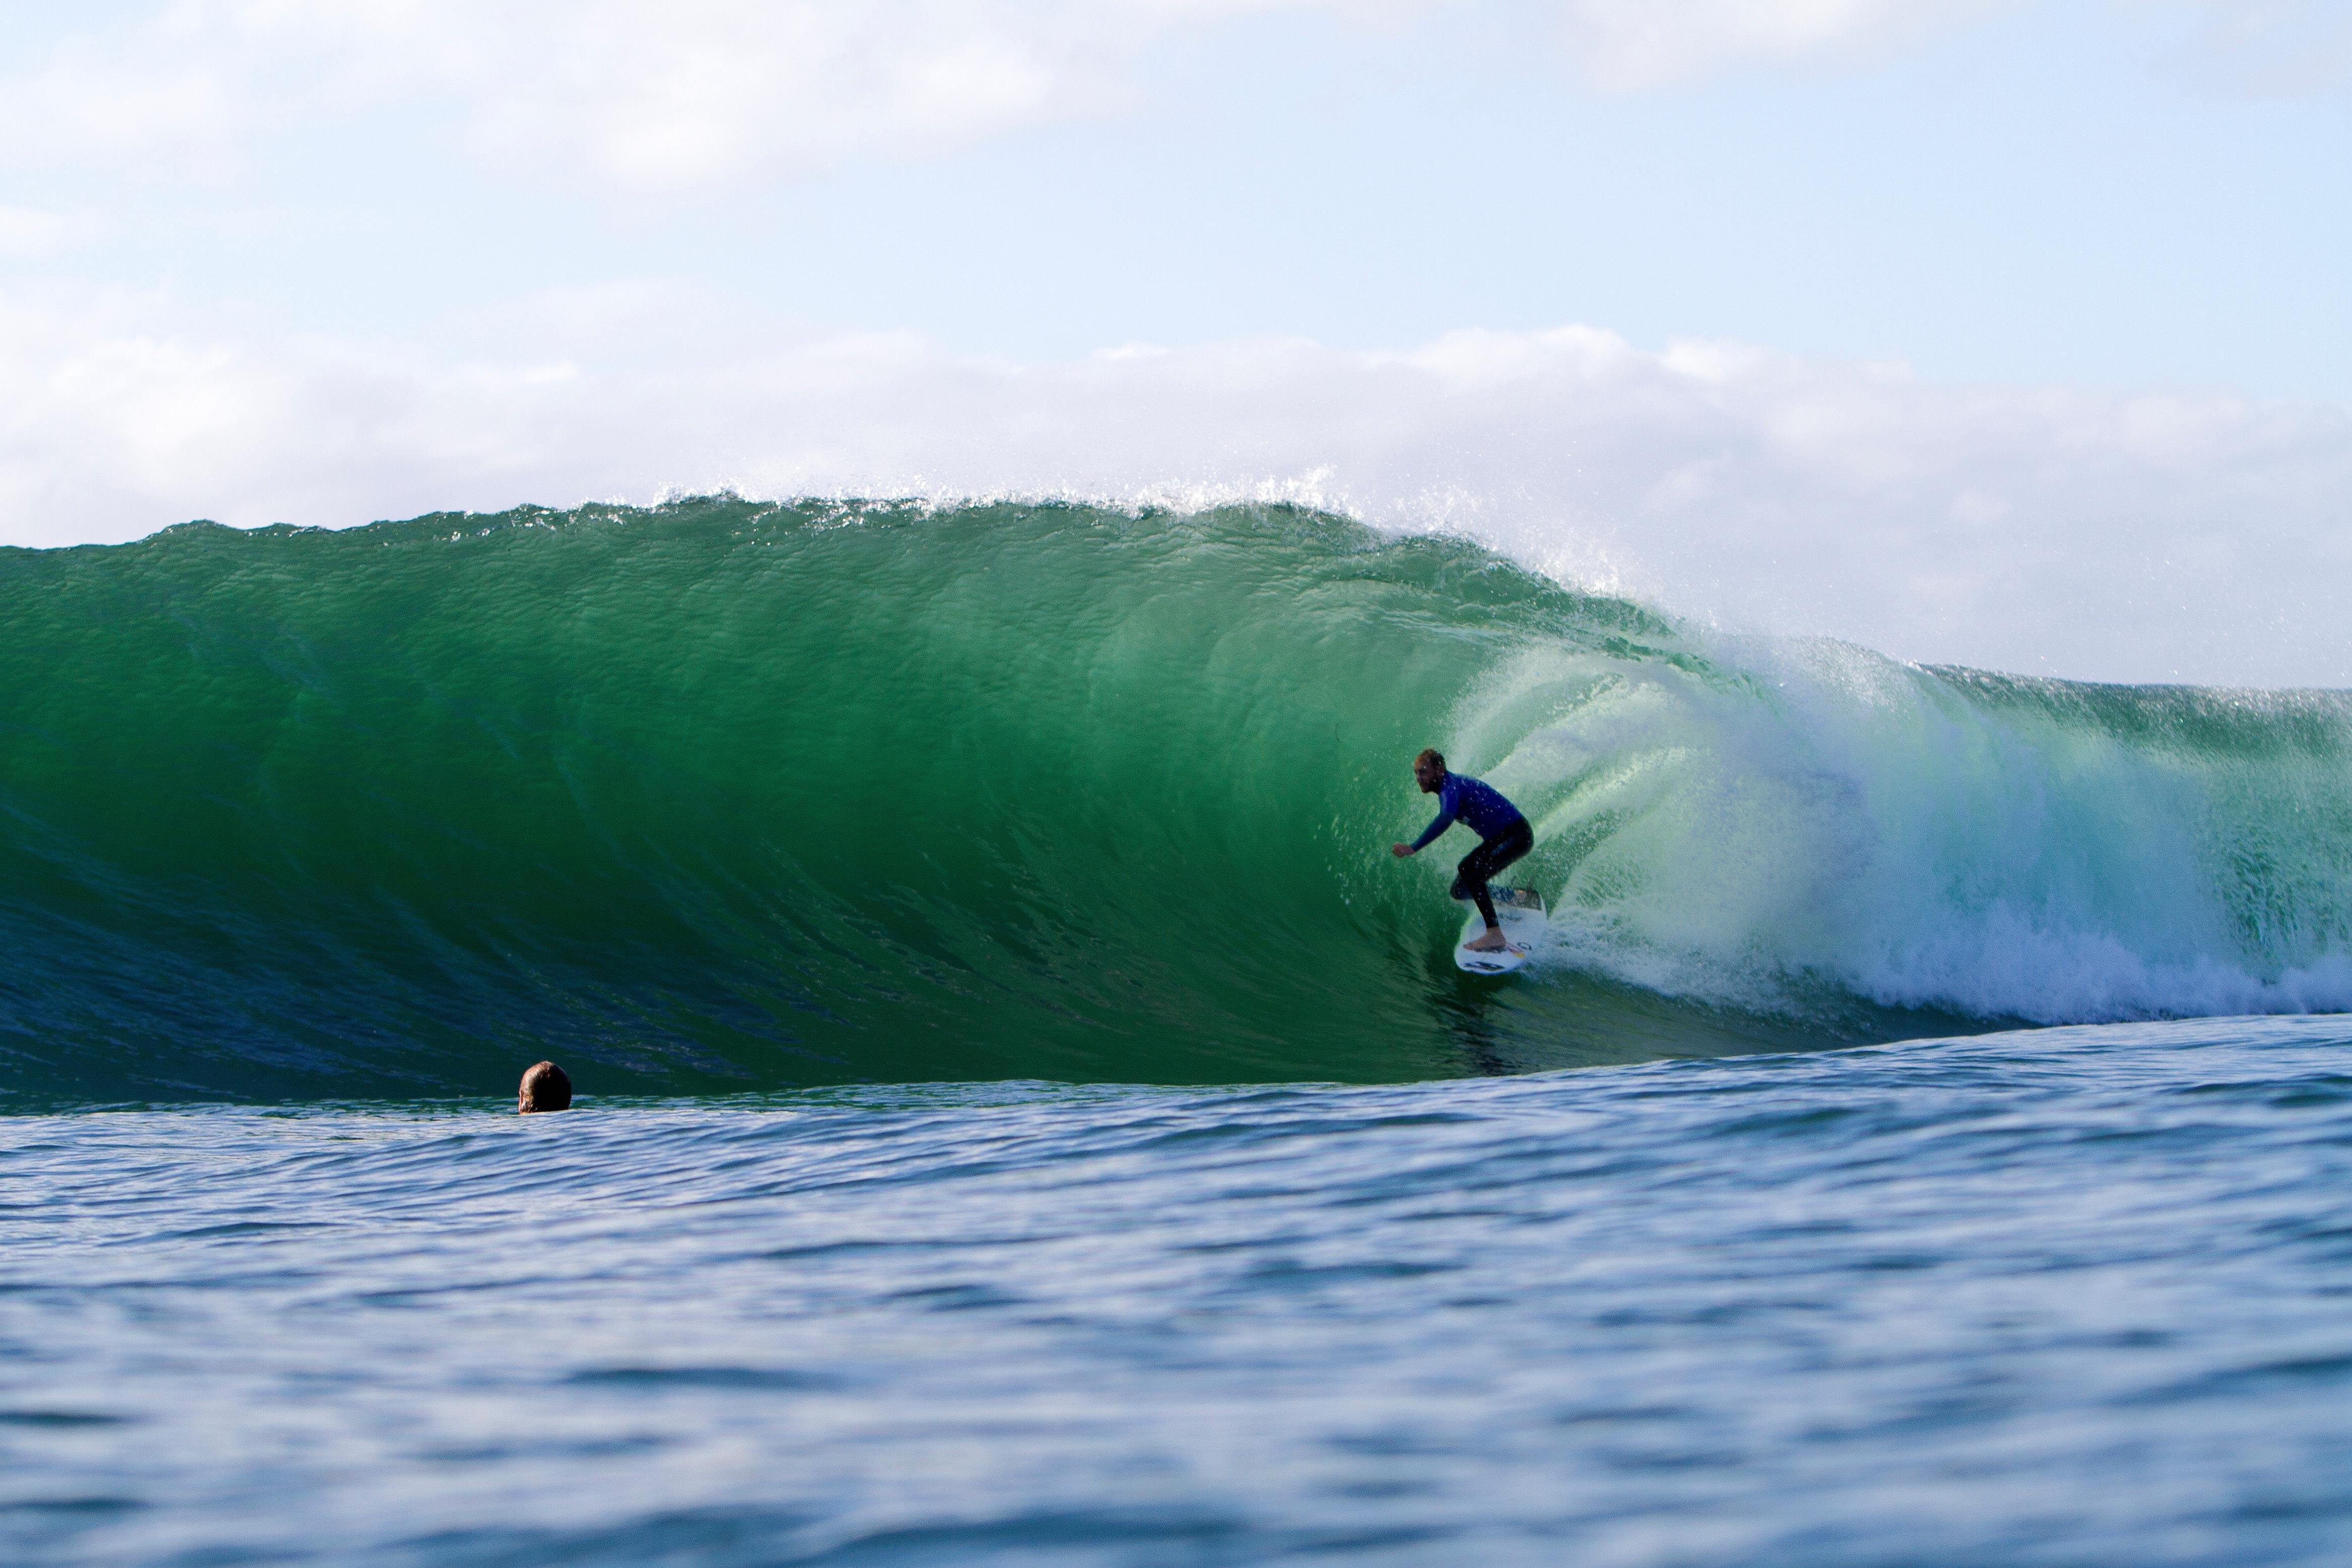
[[1432, 756], [544, 1088]]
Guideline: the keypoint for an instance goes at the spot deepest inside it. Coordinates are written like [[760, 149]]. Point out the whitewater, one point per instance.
[[1027, 1116]]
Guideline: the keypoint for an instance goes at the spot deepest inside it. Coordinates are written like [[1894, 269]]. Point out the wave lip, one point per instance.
[[723, 795]]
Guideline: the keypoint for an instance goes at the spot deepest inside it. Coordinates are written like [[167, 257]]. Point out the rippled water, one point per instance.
[[2078, 1296]]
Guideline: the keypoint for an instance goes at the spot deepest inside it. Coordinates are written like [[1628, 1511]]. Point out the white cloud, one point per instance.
[[2271, 47], [1630, 44], [680, 92], [686, 93], [2082, 533], [30, 232], [694, 92]]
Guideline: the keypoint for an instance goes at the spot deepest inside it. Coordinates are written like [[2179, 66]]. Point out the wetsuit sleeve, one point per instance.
[[1444, 820]]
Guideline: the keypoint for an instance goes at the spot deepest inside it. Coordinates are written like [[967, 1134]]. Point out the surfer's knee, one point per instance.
[[544, 1088]]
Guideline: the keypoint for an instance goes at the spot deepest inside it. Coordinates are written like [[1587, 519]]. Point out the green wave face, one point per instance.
[[723, 795]]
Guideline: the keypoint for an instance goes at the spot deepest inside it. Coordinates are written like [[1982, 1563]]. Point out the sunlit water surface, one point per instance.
[[2075, 1296]]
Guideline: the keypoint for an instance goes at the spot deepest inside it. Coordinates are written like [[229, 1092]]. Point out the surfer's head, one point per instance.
[[544, 1088], [1429, 769]]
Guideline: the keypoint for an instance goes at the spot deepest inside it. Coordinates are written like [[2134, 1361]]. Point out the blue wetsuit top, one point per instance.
[[1480, 806]]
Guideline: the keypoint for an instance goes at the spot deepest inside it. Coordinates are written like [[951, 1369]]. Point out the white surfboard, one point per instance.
[[1520, 913]]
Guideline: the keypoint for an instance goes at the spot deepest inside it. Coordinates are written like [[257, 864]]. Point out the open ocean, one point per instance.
[[1027, 1116]]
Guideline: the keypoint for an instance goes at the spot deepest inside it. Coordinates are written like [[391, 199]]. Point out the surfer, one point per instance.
[[1504, 835]]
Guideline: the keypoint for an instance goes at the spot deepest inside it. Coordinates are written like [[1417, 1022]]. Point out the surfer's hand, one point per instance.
[[1400, 851]]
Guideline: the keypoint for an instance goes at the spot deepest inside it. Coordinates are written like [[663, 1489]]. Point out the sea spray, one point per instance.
[[1817, 816]]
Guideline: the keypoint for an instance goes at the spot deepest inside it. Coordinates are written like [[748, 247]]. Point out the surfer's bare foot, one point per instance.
[[1488, 940]]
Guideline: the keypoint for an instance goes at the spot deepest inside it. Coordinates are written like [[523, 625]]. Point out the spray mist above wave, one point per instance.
[[723, 795]]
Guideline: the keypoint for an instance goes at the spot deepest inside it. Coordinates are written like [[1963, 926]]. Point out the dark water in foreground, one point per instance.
[[2075, 1296]]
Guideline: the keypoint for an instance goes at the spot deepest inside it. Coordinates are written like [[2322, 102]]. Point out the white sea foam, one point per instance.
[[1763, 821]]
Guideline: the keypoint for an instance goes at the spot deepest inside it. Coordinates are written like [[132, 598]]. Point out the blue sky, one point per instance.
[[2063, 194], [2103, 193], [265, 258]]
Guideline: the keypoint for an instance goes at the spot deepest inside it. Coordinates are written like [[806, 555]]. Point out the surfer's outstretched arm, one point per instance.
[[1444, 820]]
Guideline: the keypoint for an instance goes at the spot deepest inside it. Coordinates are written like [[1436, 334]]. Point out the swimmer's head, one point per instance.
[[544, 1088]]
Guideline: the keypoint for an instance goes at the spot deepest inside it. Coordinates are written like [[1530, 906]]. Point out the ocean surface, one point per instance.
[[2072, 1295], [1027, 1116]]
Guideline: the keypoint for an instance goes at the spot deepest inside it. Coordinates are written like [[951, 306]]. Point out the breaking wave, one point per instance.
[[726, 794]]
